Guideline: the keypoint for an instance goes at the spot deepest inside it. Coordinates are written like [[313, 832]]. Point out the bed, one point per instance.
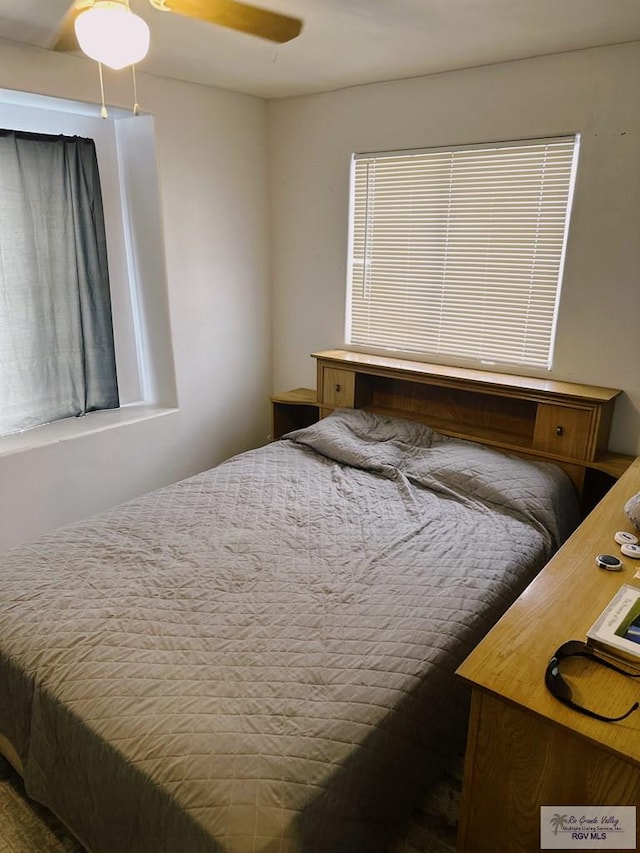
[[261, 657]]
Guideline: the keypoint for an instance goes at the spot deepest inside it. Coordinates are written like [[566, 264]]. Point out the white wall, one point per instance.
[[212, 169], [594, 92]]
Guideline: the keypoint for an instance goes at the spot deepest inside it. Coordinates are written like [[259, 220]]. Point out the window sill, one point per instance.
[[72, 428]]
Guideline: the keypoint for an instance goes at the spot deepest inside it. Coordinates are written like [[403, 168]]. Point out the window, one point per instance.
[[56, 344], [459, 253], [126, 152]]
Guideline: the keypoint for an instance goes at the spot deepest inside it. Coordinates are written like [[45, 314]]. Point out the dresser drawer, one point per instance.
[[563, 430], [338, 387]]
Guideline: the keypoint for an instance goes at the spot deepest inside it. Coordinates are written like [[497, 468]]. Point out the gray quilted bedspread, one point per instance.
[[261, 657]]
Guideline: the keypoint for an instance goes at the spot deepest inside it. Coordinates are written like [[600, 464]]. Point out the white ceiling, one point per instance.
[[350, 42]]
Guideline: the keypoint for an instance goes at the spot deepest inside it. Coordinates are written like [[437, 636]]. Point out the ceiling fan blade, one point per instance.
[[238, 16]]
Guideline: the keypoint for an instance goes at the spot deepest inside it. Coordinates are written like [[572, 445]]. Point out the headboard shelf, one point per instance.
[[497, 437], [565, 422], [465, 411]]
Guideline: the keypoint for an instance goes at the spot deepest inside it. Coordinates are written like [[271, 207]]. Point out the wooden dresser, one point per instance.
[[526, 749]]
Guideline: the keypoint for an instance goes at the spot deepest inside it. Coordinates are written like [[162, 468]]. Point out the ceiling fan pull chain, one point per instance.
[[136, 105], [103, 111]]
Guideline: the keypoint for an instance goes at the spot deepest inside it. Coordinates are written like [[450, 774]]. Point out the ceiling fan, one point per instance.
[[225, 13]]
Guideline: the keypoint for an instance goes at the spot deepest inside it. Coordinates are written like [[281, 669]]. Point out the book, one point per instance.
[[617, 630]]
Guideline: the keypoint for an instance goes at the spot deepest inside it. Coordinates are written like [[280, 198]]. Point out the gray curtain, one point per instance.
[[56, 336]]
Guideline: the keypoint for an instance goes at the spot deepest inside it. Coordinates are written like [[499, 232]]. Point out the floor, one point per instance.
[[26, 827]]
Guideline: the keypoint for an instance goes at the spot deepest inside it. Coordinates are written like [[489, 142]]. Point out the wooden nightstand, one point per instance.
[[293, 410], [525, 749]]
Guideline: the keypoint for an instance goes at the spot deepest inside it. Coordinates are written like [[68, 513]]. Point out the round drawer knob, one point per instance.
[[559, 430], [337, 389]]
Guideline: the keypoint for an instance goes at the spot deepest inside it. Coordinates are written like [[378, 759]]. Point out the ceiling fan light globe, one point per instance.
[[111, 34]]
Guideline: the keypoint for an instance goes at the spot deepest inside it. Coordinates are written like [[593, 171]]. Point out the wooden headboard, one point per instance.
[[562, 422]]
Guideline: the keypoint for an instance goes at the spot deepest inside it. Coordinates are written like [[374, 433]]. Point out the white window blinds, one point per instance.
[[459, 252]]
